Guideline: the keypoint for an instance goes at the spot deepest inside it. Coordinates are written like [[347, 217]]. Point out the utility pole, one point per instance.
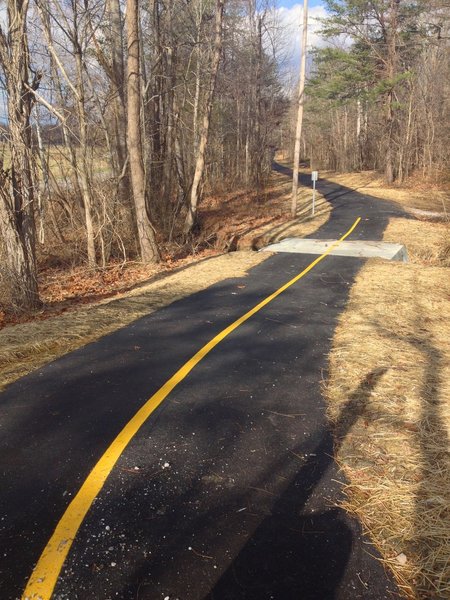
[[298, 131]]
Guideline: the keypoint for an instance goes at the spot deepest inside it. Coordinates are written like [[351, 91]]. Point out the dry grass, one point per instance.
[[422, 197], [59, 162], [390, 367], [428, 243], [397, 454], [390, 364]]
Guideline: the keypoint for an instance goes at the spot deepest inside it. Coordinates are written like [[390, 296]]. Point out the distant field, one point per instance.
[[57, 157]]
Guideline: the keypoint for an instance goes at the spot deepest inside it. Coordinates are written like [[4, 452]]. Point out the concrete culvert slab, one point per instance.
[[359, 248]]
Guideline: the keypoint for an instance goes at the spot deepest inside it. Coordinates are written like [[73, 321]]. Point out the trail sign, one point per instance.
[[314, 178]]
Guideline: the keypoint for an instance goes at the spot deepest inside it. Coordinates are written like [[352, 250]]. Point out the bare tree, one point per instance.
[[110, 57], [70, 25], [201, 150], [127, 156], [146, 235], [17, 189], [301, 100]]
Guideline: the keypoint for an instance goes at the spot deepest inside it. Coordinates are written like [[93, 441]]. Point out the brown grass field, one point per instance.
[[56, 156]]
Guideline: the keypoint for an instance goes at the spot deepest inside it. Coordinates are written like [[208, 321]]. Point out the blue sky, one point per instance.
[[290, 13], [289, 3]]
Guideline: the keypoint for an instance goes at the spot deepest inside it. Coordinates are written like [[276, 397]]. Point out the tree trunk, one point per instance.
[[247, 146], [84, 177], [197, 86], [165, 195], [389, 159], [191, 218], [154, 100], [259, 146], [147, 242], [359, 144], [389, 170], [17, 190], [118, 91]]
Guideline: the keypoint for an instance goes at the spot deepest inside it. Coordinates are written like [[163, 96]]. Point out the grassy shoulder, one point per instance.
[[391, 354], [417, 196], [28, 346], [81, 306]]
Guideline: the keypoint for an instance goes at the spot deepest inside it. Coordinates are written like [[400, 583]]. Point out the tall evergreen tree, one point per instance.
[[386, 36]]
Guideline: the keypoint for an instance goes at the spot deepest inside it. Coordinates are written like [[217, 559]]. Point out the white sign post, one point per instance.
[[314, 178]]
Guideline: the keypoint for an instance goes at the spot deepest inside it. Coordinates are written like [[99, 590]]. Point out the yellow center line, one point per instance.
[[45, 575]]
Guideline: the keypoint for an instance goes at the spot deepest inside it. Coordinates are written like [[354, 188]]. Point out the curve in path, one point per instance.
[[229, 490]]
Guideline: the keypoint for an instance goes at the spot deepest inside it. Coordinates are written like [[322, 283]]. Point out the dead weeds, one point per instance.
[[395, 333], [428, 243], [250, 221]]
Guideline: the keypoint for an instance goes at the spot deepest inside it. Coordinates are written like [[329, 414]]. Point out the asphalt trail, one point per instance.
[[228, 490]]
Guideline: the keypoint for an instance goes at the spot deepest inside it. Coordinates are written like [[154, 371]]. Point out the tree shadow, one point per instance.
[[434, 439], [347, 203], [286, 487], [434, 443]]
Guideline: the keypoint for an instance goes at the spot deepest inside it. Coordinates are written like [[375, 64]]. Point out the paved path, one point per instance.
[[229, 490]]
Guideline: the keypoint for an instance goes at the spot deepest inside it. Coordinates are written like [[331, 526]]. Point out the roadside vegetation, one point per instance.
[[120, 119], [81, 305], [391, 353], [99, 167]]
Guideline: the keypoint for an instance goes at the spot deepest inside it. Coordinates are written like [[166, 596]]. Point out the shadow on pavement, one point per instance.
[[348, 203], [296, 555]]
